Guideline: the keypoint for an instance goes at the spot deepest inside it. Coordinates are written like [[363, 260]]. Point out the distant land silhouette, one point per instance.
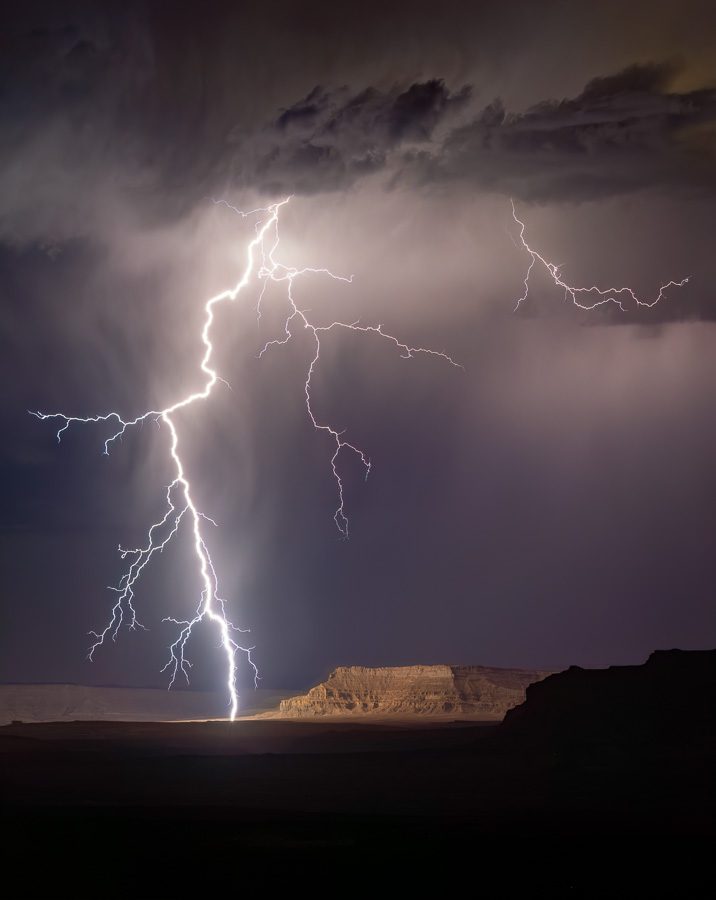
[[600, 784]]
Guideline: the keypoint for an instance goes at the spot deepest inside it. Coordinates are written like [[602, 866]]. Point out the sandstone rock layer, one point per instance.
[[476, 692]]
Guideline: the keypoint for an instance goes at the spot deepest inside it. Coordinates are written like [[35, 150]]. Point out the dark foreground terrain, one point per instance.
[[601, 784]]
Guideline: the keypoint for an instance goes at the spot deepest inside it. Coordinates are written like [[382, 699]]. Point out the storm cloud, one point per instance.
[[332, 139], [102, 118], [624, 132]]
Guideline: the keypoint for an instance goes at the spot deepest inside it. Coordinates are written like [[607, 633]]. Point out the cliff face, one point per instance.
[[477, 692]]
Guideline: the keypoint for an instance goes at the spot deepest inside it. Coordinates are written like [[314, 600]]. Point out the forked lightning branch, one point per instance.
[[180, 509]]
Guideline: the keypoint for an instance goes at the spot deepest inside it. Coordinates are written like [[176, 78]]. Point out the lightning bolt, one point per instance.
[[584, 297], [180, 506]]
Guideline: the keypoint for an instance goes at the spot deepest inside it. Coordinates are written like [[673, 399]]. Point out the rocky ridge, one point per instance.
[[671, 698], [476, 692]]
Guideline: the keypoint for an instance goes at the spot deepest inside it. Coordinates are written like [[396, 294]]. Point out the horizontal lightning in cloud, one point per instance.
[[584, 297]]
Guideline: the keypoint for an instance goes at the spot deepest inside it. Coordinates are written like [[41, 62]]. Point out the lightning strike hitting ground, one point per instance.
[[596, 295], [262, 265]]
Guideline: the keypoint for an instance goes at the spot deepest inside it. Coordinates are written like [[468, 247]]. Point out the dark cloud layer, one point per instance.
[[331, 139], [104, 112], [622, 133]]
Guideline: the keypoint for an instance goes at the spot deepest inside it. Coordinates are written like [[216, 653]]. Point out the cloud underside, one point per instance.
[[622, 133], [89, 125]]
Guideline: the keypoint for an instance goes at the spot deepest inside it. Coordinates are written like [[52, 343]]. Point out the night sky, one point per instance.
[[554, 503]]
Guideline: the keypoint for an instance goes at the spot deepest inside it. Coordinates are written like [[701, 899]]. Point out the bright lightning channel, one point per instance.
[[584, 297], [261, 263]]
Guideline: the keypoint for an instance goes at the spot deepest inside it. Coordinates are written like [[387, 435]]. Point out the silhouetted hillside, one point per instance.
[[670, 700]]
